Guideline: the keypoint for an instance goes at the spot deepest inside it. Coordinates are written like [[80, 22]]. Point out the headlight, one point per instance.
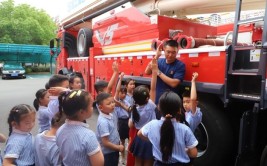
[[22, 71], [5, 72]]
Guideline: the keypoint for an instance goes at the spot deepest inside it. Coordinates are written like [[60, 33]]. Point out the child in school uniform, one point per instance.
[[193, 114], [107, 130], [45, 148], [122, 109], [130, 85], [104, 86], [57, 83], [77, 144], [143, 111], [19, 146], [40, 103], [168, 137], [75, 82]]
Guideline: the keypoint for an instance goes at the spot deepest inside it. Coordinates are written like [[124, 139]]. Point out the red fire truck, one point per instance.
[[232, 75]]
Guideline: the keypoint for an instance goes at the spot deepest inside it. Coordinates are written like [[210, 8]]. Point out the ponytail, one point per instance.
[[136, 116], [36, 104], [167, 136], [169, 106], [40, 94]]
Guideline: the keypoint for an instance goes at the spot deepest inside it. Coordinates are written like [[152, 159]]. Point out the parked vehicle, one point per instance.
[[13, 70]]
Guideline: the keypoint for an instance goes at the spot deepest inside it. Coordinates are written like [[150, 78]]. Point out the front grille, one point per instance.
[[15, 71]]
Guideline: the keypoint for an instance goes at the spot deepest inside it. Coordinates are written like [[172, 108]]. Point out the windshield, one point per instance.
[[13, 67]]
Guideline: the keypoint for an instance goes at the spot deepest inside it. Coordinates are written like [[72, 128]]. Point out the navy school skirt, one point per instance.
[[141, 148]]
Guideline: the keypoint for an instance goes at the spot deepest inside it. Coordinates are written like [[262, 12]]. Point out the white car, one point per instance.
[[13, 70]]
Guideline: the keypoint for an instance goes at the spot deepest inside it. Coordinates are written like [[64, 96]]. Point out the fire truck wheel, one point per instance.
[[84, 41], [263, 161], [215, 137]]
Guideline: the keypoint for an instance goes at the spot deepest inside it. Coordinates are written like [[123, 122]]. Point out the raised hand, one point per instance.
[[194, 76], [115, 67], [121, 75]]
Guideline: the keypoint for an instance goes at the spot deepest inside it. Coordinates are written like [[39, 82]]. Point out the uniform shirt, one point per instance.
[[129, 99], [52, 107], [20, 146], [76, 142], [43, 119], [193, 120], [184, 138], [146, 112], [45, 150], [175, 70], [107, 125], [122, 113]]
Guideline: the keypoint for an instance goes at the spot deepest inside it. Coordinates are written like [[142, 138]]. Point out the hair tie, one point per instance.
[[72, 94], [17, 111], [168, 116], [79, 92]]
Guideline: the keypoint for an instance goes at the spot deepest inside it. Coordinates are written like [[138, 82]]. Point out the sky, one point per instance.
[[52, 7]]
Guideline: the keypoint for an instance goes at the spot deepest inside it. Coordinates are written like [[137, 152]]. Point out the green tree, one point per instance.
[[24, 24]]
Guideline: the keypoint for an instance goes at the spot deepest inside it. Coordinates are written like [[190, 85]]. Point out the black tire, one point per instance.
[[84, 41], [215, 137], [263, 161]]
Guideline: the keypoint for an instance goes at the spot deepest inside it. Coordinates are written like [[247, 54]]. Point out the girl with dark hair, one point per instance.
[[143, 111], [19, 146], [175, 137], [75, 82], [77, 144], [130, 85], [40, 103]]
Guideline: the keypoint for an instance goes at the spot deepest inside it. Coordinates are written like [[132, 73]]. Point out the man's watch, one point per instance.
[[159, 73]]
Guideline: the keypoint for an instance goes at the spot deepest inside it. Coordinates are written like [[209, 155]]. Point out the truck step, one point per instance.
[[251, 20], [244, 96], [249, 72]]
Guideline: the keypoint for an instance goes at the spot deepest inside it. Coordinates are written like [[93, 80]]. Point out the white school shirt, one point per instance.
[[122, 113], [193, 120], [129, 99], [20, 146], [76, 142], [146, 112], [184, 138], [107, 125], [52, 106], [45, 150], [43, 117]]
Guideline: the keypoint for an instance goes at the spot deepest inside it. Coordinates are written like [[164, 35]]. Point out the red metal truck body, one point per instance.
[[125, 35]]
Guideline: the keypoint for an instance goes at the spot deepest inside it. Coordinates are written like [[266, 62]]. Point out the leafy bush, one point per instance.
[[28, 69], [37, 69]]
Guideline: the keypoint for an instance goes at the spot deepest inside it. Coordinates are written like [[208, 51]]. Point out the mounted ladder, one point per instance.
[[246, 81], [246, 77]]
